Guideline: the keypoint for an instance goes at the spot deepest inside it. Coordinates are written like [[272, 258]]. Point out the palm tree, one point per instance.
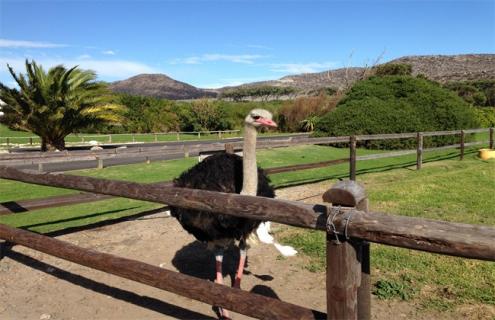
[[309, 123], [54, 104]]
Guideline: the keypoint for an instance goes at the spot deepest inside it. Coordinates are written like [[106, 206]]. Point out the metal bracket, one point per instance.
[[331, 228]]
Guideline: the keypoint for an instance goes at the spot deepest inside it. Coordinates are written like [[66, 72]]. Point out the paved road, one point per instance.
[[166, 143], [87, 164]]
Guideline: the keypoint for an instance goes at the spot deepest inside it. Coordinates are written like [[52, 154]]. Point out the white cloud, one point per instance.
[[228, 82], [109, 69], [295, 68], [208, 57], [84, 56], [109, 52], [6, 43]]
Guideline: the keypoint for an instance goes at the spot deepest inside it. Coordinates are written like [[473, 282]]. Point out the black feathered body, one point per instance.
[[223, 173]]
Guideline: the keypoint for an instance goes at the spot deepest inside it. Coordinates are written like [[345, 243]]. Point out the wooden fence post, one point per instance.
[[348, 279], [109, 138], [8, 141], [156, 137], [462, 145], [419, 153], [491, 138], [99, 163], [186, 151], [352, 158], [148, 160], [133, 137], [229, 148], [178, 136], [30, 141]]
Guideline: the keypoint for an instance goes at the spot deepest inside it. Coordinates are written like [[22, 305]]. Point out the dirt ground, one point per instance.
[[37, 286]]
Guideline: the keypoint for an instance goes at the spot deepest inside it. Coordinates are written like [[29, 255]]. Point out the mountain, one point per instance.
[[159, 86], [441, 68]]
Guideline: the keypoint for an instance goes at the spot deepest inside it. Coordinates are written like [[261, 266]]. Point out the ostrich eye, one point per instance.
[[256, 117]]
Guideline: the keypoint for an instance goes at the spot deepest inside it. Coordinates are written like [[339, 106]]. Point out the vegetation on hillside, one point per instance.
[[394, 104], [56, 103], [302, 113], [253, 92]]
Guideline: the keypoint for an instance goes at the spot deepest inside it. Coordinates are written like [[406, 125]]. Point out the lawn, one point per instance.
[[451, 190], [446, 189]]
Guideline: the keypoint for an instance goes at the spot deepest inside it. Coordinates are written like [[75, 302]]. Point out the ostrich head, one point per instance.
[[259, 118]]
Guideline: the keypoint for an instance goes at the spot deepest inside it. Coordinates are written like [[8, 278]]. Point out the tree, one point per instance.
[[56, 103], [396, 104]]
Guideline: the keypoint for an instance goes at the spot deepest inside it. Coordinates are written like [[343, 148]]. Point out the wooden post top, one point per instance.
[[346, 193]]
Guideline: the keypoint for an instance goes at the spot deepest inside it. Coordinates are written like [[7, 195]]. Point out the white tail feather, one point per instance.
[[265, 237]]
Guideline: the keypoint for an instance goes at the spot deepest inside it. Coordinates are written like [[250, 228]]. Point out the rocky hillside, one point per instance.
[[436, 67], [159, 86]]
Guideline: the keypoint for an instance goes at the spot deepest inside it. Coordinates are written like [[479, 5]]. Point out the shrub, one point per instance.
[[479, 93], [302, 113], [262, 92], [393, 69], [486, 116], [146, 114], [395, 104]]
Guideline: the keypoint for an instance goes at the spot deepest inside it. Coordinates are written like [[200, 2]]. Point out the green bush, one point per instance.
[[302, 113], [486, 116], [396, 104], [480, 93], [263, 92], [393, 69], [146, 114]]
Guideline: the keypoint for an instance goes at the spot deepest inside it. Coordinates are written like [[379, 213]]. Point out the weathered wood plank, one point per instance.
[[343, 256], [419, 152], [352, 158], [214, 294], [441, 133], [385, 155], [305, 166], [385, 136]]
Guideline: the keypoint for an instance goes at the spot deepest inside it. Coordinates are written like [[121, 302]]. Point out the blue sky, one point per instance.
[[217, 43]]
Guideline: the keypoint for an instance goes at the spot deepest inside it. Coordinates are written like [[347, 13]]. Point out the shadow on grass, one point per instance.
[[105, 223], [146, 302], [46, 223], [376, 169]]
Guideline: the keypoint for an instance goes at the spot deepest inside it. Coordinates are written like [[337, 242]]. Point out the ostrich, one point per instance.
[[224, 173]]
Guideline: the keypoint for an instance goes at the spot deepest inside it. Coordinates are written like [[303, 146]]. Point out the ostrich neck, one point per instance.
[[249, 167]]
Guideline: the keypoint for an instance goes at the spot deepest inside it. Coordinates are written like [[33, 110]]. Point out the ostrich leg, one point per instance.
[[242, 262], [224, 314]]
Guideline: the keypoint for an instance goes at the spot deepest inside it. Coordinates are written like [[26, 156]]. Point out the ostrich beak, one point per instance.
[[267, 122]]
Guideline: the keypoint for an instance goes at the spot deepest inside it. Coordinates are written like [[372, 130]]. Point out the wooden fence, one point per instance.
[[147, 154], [347, 221], [110, 138]]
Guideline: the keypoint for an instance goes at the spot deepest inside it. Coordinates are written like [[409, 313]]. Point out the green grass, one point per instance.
[[446, 189], [451, 190]]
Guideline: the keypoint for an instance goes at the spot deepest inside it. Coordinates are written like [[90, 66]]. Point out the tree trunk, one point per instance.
[[52, 144]]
